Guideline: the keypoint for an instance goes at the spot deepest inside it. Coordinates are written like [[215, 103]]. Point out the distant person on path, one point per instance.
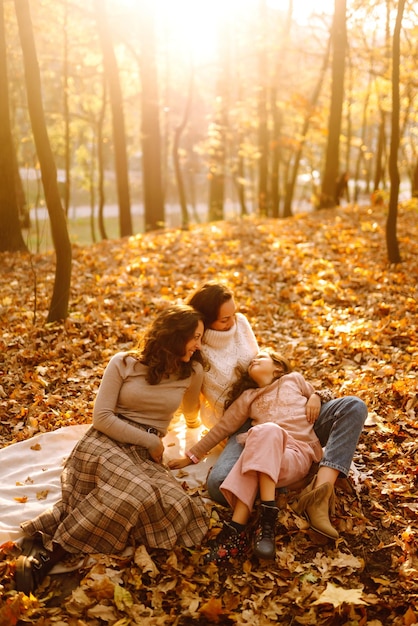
[[115, 491], [341, 188], [228, 341], [279, 450]]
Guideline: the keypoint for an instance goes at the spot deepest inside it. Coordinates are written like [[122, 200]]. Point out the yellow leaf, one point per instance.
[[182, 474], [80, 598], [103, 612], [337, 596], [124, 621], [381, 581], [122, 597], [42, 495], [145, 562]]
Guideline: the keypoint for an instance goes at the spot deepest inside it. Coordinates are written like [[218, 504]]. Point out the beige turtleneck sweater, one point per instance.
[[124, 390]]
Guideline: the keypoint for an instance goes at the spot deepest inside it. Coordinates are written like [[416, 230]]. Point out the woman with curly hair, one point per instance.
[[115, 490]]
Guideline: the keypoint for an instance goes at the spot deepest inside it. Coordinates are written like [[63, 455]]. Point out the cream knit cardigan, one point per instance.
[[223, 351]]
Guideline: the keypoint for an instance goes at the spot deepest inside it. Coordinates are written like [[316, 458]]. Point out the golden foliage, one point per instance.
[[317, 287]]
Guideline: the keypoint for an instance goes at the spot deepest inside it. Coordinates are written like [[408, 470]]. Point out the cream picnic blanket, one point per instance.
[[30, 471]]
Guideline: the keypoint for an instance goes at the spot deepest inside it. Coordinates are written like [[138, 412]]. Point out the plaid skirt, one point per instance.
[[113, 495]]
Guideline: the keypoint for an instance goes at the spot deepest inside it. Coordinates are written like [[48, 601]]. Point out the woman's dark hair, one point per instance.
[[244, 380], [164, 343], [208, 299]]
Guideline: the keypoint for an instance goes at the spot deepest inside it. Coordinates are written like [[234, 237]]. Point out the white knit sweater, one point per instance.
[[224, 350]]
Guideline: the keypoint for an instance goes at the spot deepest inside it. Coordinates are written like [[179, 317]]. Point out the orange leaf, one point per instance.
[[212, 609]]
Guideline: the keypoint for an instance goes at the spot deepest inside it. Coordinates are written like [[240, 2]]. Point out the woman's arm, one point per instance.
[[231, 420], [191, 400], [104, 417]]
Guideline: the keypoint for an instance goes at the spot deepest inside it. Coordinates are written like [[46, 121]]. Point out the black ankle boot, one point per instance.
[[32, 567], [265, 535], [229, 544]]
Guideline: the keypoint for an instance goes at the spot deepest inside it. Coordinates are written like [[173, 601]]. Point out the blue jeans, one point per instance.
[[338, 428]]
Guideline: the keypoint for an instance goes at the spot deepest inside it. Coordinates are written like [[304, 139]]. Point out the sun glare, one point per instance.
[[194, 24], [304, 9]]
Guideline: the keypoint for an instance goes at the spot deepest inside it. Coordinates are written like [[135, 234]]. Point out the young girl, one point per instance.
[[279, 450]]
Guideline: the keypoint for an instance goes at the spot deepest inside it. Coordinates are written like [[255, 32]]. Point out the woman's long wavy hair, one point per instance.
[[244, 380], [164, 344]]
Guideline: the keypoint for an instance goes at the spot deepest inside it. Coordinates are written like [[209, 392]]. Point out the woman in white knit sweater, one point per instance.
[[228, 346], [228, 341]]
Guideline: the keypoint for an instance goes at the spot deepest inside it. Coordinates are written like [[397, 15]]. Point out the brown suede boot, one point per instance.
[[315, 503]]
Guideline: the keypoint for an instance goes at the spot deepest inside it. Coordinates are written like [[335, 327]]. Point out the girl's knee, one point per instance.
[[266, 429]]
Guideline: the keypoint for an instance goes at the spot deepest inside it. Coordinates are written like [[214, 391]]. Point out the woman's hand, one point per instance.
[[156, 450], [313, 408], [179, 463]]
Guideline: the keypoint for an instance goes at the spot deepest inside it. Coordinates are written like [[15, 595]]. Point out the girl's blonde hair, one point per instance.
[[244, 380]]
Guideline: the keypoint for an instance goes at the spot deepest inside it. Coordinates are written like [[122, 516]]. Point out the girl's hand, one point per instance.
[[313, 408], [179, 463], [156, 450]]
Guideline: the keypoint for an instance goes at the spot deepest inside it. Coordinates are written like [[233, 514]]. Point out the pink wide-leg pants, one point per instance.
[[270, 450]]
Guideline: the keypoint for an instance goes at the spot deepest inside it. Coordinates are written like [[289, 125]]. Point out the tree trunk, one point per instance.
[[290, 188], [391, 238], [263, 133], [59, 303], [414, 192], [11, 239], [118, 122], [275, 154], [100, 164], [150, 122], [237, 162], [240, 180], [176, 156], [357, 171], [22, 206], [218, 132], [277, 120], [349, 132], [381, 142], [339, 42], [67, 134]]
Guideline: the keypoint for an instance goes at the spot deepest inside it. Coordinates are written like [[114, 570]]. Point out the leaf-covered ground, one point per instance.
[[317, 287]]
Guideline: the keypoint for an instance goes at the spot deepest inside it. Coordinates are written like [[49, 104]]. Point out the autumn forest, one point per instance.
[[146, 146]]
